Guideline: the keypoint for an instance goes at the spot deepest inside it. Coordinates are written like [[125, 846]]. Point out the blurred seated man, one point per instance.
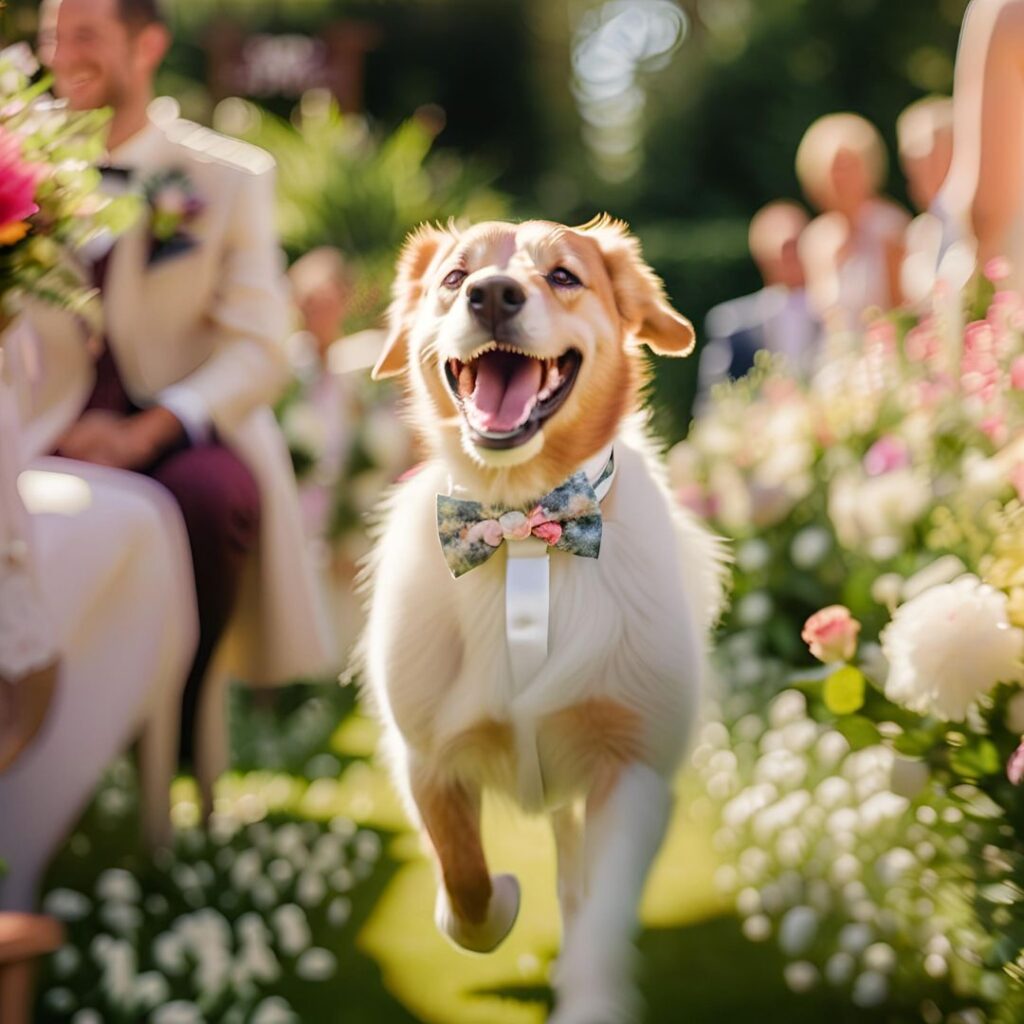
[[179, 387], [777, 317], [853, 251], [924, 133]]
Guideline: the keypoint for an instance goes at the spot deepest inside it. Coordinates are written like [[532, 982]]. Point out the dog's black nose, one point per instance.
[[495, 301]]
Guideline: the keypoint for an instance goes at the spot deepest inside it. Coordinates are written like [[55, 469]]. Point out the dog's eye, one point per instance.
[[562, 278], [454, 279]]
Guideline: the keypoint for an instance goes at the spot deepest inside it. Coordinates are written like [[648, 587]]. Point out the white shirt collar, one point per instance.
[[138, 150]]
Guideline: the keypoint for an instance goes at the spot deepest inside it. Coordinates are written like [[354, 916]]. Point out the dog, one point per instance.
[[539, 607]]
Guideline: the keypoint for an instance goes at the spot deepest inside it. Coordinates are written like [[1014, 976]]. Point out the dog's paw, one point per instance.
[[596, 998], [488, 935], [597, 1009]]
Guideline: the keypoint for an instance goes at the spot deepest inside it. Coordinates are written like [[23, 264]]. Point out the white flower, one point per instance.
[[119, 970], [247, 869], [60, 1000], [949, 646], [67, 904], [274, 1010], [810, 546], [367, 845], [339, 911], [801, 976], [839, 969], [169, 953], [855, 938], [181, 1011], [870, 989], [151, 990], [875, 512], [797, 930], [753, 555], [316, 964], [66, 961], [305, 429], [21, 58], [757, 928], [293, 934]]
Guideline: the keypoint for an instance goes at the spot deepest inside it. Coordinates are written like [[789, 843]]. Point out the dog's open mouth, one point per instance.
[[507, 395]]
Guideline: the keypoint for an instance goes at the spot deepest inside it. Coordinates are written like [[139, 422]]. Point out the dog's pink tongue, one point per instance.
[[506, 387]]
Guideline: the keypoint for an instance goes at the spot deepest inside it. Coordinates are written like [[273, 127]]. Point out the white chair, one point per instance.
[[110, 557]]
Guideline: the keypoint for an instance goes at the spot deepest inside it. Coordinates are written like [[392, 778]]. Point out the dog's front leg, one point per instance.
[[567, 827], [626, 821], [473, 909]]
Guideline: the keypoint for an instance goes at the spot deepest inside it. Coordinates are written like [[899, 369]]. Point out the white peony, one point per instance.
[[949, 646], [875, 513]]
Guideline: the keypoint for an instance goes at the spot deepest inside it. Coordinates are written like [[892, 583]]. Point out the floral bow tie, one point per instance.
[[569, 518]]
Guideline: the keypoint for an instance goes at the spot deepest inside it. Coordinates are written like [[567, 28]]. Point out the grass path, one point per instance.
[[693, 954]]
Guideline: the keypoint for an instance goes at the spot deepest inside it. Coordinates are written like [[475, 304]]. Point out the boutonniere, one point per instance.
[[174, 204]]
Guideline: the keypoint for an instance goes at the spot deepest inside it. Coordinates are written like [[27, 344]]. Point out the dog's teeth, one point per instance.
[[467, 380]]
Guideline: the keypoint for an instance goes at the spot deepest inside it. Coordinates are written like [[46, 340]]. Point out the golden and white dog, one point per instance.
[[522, 346]]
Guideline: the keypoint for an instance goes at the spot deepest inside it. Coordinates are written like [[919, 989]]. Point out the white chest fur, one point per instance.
[[627, 627]]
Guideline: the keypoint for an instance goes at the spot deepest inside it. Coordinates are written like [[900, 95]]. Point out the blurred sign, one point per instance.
[[264, 65]]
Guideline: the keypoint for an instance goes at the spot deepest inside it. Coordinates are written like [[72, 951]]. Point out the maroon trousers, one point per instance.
[[220, 503]]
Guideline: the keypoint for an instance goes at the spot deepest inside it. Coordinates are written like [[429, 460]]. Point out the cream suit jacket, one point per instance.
[[213, 321]]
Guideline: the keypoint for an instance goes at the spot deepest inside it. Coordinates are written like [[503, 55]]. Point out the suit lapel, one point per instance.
[[125, 289]]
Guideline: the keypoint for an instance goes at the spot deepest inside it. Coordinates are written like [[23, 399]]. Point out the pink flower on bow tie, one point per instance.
[[515, 526], [542, 527]]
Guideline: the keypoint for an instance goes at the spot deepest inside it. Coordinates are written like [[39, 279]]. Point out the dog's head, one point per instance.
[[522, 340]]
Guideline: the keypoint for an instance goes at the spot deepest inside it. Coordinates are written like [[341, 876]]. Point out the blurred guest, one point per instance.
[[924, 133], [982, 197], [347, 439], [853, 251], [195, 310], [777, 317]]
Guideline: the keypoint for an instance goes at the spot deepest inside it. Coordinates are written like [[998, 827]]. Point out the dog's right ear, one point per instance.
[[417, 254]]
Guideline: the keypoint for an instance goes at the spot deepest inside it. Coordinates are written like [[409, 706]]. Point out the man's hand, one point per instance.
[[123, 442]]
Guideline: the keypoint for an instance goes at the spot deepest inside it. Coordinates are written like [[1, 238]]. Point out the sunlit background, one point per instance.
[[681, 116]]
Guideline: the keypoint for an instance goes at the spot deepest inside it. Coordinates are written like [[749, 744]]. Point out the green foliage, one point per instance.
[[844, 690], [340, 184]]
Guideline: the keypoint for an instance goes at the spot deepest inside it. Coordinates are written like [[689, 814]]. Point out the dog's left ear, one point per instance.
[[639, 292], [417, 254]]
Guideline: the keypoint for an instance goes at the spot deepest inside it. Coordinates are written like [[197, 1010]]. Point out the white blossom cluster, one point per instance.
[[825, 851], [211, 930]]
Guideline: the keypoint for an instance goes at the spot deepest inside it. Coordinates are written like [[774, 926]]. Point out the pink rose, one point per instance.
[[1017, 479], [997, 269], [1017, 374], [995, 429], [885, 455], [831, 634], [18, 181], [923, 343], [1015, 766]]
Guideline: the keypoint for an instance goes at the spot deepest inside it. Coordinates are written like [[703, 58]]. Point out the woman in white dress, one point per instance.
[[982, 198], [95, 575], [852, 253]]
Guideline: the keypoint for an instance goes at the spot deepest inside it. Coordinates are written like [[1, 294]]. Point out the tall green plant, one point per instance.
[[342, 184]]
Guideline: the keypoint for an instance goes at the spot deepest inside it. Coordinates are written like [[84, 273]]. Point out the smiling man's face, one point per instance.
[[95, 57]]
